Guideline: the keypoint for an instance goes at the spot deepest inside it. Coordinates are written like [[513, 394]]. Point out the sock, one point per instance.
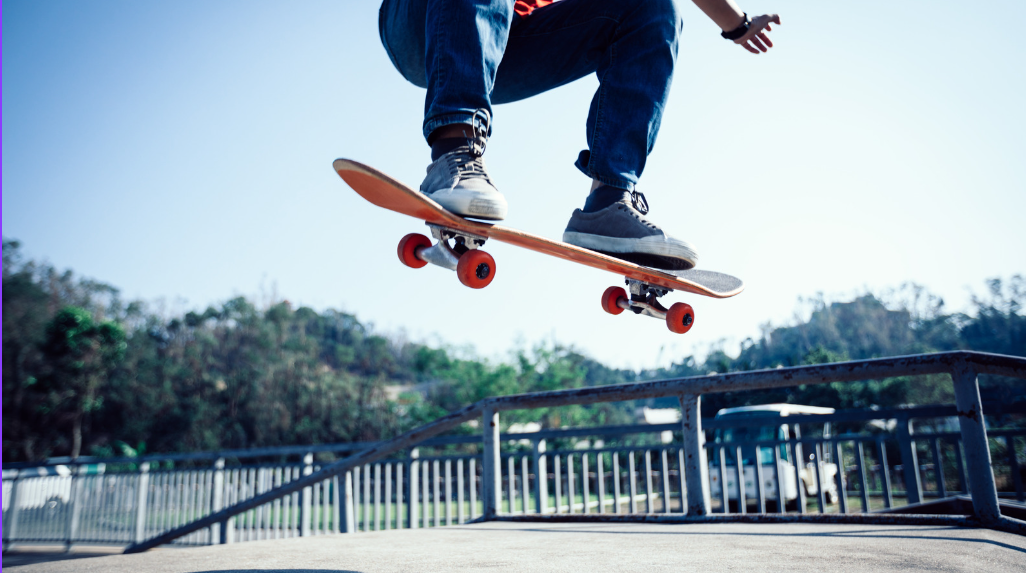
[[603, 197], [442, 146]]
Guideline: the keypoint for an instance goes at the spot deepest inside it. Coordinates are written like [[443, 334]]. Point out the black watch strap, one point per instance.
[[739, 31]]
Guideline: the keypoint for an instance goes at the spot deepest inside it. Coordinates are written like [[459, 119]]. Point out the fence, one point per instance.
[[638, 481]]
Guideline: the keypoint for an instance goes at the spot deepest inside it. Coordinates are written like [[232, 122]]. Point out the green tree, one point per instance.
[[81, 355]]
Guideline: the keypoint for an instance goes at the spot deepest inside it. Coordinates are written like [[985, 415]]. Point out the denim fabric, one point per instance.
[[470, 54]]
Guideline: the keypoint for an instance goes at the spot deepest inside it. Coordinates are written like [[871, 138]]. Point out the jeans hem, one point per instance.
[[583, 164]]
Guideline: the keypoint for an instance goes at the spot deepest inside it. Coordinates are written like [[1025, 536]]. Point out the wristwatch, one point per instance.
[[739, 31]]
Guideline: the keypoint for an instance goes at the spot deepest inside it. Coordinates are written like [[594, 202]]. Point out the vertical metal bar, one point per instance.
[[461, 514], [760, 495], [413, 498], [632, 483], [305, 494], [388, 496], [368, 513], [963, 479], [616, 482], [1013, 466], [400, 499], [377, 498], [558, 482], [909, 461], [436, 498], [10, 527], [425, 492], [842, 495], [472, 474], [585, 486], [525, 488], [885, 474], [511, 484], [276, 509], [778, 477], [571, 490], [142, 489], [860, 463], [216, 501], [696, 465], [796, 451], [492, 486], [820, 486], [977, 448], [649, 505], [448, 492], [682, 478], [724, 492], [938, 468], [664, 472], [541, 480], [75, 502], [742, 499], [600, 481]]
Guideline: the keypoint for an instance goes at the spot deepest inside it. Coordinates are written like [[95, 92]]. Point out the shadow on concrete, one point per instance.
[[30, 555], [889, 533], [279, 571]]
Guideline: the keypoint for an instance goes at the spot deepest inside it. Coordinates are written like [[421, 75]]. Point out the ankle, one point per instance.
[[602, 197]]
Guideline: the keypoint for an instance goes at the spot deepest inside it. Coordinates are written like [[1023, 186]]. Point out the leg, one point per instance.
[[632, 46], [452, 48]]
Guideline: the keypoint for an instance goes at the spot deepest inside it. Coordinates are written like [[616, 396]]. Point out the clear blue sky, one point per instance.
[[182, 151]]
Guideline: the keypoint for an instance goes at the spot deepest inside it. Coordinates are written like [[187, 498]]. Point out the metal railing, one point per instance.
[[627, 482]]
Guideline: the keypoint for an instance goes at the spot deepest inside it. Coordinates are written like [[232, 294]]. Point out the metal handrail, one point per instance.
[[962, 366]]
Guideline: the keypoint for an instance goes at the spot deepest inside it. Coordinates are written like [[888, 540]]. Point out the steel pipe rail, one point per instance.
[[963, 367]]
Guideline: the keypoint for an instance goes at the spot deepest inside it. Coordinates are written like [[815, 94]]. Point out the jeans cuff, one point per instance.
[[583, 163], [431, 124]]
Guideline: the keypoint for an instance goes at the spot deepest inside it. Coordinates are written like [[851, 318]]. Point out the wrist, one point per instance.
[[739, 30]]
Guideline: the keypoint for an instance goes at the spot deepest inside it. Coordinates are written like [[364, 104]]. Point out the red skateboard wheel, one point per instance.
[[476, 269], [680, 317], [408, 247], [611, 297]]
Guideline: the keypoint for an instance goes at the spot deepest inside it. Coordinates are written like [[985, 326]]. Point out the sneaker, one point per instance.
[[621, 230], [459, 182]]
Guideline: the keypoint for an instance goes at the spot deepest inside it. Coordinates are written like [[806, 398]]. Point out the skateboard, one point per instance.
[[458, 241]]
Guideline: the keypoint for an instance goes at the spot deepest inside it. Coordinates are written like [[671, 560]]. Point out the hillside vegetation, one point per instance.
[[85, 372]]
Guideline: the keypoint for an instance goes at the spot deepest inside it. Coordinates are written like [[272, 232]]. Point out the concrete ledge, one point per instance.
[[643, 547]]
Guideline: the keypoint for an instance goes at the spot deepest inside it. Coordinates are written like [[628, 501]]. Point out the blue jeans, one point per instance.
[[470, 54]]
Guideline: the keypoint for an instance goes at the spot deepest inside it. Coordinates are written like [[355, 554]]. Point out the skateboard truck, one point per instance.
[[644, 300], [474, 267]]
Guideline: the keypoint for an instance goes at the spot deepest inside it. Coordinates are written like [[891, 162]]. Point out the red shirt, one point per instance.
[[525, 7]]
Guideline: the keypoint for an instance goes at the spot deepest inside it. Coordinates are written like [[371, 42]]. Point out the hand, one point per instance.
[[756, 40]]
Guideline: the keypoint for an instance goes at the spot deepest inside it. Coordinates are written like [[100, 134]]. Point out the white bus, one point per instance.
[[768, 422]]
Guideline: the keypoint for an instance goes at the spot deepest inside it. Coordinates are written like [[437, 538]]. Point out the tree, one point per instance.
[[81, 355]]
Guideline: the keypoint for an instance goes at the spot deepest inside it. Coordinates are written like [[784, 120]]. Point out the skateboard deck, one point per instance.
[[384, 191]]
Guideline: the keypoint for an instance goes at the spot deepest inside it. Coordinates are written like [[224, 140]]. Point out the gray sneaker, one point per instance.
[[621, 230], [459, 182]]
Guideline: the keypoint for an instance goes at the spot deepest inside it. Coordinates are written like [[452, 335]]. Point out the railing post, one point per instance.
[[75, 502], [696, 470], [344, 503], [217, 531], [305, 496], [11, 515], [143, 488], [492, 486], [909, 461], [974, 439], [413, 497], [541, 482]]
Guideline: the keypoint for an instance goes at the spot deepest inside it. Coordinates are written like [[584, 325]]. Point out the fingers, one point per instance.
[[756, 41]]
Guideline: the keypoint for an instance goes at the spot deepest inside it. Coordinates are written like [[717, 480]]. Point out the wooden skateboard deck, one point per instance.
[[383, 191]]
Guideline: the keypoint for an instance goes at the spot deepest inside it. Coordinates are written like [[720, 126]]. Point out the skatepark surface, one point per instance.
[[500, 546]]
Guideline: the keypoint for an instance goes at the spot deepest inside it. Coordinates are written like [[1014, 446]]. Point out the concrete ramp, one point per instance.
[[590, 548]]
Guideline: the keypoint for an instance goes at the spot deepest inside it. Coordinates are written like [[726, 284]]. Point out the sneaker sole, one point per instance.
[[675, 256]]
